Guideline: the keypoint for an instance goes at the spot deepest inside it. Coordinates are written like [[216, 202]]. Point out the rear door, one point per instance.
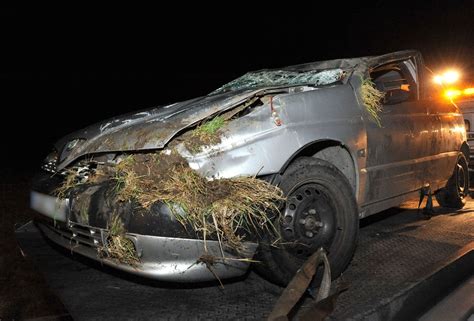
[[447, 138], [467, 109]]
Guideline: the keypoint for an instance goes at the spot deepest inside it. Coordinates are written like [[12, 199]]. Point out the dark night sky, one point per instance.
[[65, 68]]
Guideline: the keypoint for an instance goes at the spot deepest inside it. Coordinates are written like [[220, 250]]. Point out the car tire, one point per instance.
[[454, 194], [320, 210]]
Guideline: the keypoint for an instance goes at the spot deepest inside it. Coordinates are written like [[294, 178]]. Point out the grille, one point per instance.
[[50, 162], [50, 166], [81, 234]]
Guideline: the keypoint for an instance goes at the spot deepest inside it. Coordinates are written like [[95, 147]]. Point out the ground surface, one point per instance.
[[397, 249], [24, 293]]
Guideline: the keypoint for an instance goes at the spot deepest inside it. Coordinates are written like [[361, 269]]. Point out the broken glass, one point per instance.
[[271, 78]]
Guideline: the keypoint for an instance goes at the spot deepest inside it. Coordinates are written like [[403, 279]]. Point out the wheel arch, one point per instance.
[[333, 152]]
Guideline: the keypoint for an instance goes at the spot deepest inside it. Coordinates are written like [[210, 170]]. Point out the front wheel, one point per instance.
[[454, 194], [320, 210]]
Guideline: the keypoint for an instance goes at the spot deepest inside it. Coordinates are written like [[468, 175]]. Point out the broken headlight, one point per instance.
[[49, 163], [72, 144]]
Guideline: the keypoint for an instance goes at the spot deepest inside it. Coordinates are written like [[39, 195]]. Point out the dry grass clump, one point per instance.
[[127, 180], [70, 181], [224, 207], [119, 247], [136, 175], [221, 207], [205, 135], [209, 128], [372, 99]]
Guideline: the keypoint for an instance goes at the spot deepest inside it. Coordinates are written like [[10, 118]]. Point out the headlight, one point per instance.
[[72, 144]]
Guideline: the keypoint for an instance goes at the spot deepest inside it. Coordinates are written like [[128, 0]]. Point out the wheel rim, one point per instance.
[[461, 180], [309, 221]]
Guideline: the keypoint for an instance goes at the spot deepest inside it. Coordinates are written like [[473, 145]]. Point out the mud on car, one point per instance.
[[268, 167]]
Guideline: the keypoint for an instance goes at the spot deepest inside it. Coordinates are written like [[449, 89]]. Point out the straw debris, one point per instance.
[[118, 247], [219, 207], [372, 99], [71, 180], [222, 208], [205, 135]]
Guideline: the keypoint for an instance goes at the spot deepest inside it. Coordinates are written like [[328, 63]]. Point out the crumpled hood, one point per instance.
[[147, 129]]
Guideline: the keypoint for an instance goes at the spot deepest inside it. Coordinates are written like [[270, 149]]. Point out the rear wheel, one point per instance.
[[454, 194], [320, 211]]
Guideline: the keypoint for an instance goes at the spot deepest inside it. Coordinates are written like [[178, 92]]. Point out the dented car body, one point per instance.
[[274, 120]]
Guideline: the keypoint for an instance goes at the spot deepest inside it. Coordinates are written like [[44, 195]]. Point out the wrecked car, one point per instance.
[[264, 170]]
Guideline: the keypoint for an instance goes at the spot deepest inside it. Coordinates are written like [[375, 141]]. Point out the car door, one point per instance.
[[449, 132], [398, 147], [467, 108]]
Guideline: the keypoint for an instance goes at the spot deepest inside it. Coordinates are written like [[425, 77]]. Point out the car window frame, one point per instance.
[[407, 69]]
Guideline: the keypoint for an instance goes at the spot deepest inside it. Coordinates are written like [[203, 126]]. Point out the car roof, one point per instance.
[[350, 63]]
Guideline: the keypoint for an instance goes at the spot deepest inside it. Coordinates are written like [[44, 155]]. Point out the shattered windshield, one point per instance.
[[271, 78]]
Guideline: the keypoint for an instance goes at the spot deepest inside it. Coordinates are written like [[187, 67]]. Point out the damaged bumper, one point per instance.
[[165, 258]]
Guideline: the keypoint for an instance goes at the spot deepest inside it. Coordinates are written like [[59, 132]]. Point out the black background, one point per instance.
[[66, 67]]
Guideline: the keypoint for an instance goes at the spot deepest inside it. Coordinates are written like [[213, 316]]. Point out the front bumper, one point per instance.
[[163, 258]]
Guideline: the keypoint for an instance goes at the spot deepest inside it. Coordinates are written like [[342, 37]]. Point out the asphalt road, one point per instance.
[[399, 249]]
